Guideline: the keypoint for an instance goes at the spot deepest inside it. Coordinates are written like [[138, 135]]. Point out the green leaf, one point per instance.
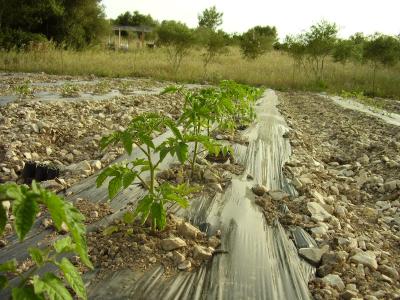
[[24, 210], [110, 230], [52, 286], [73, 278], [25, 293], [143, 207], [64, 245], [3, 218], [182, 152], [128, 178], [9, 266], [37, 255], [114, 186], [158, 214], [127, 142], [103, 176], [129, 217], [3, 282]]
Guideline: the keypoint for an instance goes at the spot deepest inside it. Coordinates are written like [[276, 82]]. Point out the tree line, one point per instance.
[[78, 23]]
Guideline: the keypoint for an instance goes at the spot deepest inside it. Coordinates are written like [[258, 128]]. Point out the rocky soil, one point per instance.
[[67, 133], [346, 167]]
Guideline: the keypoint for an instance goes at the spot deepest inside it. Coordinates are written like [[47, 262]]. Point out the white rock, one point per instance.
[[96, 164], [314, 254], [185, 265], [366, 258], [278, 195], [259, 189], [202, 253], [318, 213], [334, 281], [187, 230], [178, 257], [172, 243], [49, 150]]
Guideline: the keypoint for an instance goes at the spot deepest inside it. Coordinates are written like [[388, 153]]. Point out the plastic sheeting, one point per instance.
[[261, 261]]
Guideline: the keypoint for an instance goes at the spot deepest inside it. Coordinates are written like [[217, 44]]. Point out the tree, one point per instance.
[[296, 48], [343, 51], [383, 50], [214, 44], [210, 18], [75, 23], [178, 39], [258, 40], [320, 40]]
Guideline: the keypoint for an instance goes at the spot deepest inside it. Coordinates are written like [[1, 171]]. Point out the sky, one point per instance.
[[289, 16]]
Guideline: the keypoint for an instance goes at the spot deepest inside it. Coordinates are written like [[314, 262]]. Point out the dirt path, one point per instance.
[[349, 164]]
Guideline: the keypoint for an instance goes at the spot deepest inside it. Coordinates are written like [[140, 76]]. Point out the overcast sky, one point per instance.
[[289, 16]]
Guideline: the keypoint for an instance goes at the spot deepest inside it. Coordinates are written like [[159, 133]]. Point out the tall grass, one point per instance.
[[274, 69]]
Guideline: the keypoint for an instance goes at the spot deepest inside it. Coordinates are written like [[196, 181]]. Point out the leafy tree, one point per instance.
[[177, 39], [343, 51], [258, 40], [214, 44], [135, 19], [75, 23], [34, 284], [320, 41], [296, 48], [210, 18], [383, 50]]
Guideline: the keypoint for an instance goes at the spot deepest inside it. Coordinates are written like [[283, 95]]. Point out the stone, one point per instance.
[[152, 259], [319, 230], [259, 190], [94, 214], [52, 185], [349, 294], [335, 281], [172, 243], [318, 213], [145, 249], [187, 230], [340, 211], [390, 186], [202, 253], [49, 151], [210, 176], [366, 258], [96, 164], [214, 242], [278, 195], [28, 155], [364, 159], [178, 257], [383, 204], [185, 265], [389, 271], [79, 167], [314, 254]]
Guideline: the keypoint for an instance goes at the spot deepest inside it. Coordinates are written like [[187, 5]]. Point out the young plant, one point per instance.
[[25, 203], [69, 91], [201, 109], [140, 132], [24, 91]]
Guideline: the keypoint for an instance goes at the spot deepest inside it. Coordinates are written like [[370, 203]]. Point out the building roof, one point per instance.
[[140, 28]]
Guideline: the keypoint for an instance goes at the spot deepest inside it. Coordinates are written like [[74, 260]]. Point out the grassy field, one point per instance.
[[273, 69]]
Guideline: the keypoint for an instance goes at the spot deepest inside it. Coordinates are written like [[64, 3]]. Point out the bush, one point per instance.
[[258, 40]]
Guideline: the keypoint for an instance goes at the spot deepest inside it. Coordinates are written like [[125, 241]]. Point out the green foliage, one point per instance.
[[214, 44], [69, 90], [73, 23], [320, 41], [177, 39], [24, 91], [137, 19], [140, 132], [210, 18], [25, 202], [258, 40], [381, 49]]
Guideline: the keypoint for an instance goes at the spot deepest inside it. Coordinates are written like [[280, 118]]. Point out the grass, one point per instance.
[[273, 69]]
